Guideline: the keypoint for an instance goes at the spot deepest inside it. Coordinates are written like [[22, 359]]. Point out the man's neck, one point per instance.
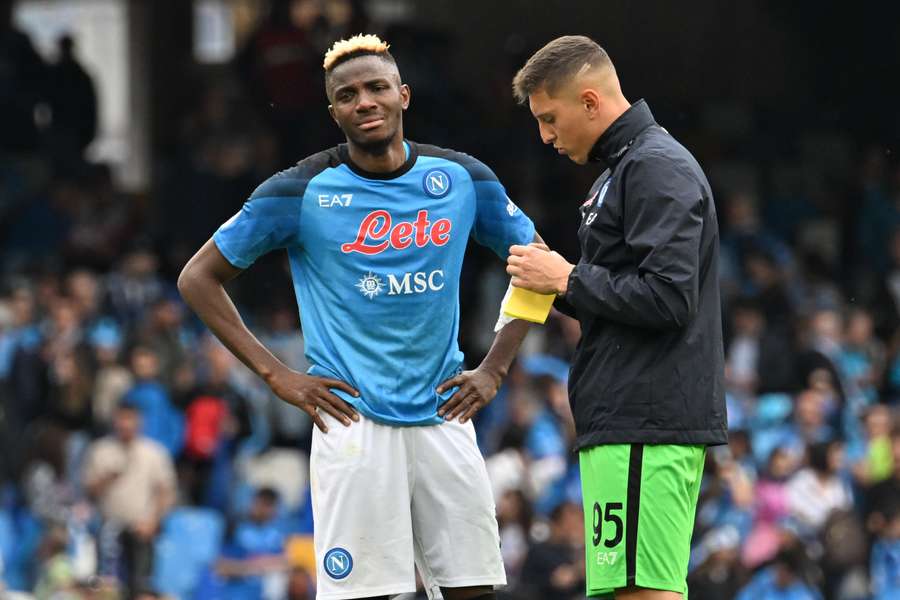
[[390, 160], [617, 108]]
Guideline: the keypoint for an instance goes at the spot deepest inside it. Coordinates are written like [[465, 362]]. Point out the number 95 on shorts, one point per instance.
[[639, 505]]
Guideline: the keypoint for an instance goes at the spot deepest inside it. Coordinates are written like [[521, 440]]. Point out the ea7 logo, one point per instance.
[[607, 558], [329, 200]]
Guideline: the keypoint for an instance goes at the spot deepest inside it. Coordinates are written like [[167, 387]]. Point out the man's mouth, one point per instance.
[[370, 124]]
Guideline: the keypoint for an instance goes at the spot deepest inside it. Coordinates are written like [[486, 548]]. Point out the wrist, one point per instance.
[[497, 372], [271, 374], [562, 286]]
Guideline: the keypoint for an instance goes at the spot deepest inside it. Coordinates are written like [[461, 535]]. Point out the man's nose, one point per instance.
[[547, 135], [365, 103]]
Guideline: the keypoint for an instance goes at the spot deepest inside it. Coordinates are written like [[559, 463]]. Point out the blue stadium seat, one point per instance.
[[7, 544], [188, 544]]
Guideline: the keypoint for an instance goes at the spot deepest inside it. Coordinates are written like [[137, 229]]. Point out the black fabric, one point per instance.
[[344, 154], [650, 364], [635, 468]]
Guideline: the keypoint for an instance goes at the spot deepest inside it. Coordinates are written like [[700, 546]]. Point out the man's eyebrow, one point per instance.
[[379, 79]]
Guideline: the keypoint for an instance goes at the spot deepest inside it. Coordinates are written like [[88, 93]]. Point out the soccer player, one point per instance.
[[646, 381], [375, 230]]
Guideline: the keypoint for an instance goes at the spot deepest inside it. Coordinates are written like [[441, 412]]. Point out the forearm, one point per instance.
[[506, 344], [208, 298]]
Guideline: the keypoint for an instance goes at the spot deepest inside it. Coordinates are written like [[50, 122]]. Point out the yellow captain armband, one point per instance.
[[519, 303]]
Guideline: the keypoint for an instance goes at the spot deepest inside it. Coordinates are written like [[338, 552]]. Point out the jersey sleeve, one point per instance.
[[499, 223], [270, 219]]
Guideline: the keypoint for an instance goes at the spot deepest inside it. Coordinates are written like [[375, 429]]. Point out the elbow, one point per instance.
[[684, 314], [185, 282], [676, 307]]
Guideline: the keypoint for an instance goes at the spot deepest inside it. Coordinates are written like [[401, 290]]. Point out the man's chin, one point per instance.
[[374, 144]]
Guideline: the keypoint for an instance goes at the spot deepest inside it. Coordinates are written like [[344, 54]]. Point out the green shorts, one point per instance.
[[639, 505]]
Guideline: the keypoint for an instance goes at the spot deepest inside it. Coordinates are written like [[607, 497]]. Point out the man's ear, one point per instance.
[[591, 102], [331, 112], [405, 95]]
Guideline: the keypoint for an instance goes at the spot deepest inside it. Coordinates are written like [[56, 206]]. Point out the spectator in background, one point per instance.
[[514, 519], [66, 357], [808, 424], [164, 333], [554, 568], [782, 581], [103, 222], [885, 561], [112, 380], [132, 479], [56, 579], [161, 421], [862, 358], [770, 508], [22, 81], [758, 360], [254, 561], [883, 498], [300, 585], [870, 457], [73, 102], [817, 490], [135, 284], [744, 234], [716, 572]]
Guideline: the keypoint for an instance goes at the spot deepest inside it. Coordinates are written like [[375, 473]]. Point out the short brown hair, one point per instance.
[[556, 63]]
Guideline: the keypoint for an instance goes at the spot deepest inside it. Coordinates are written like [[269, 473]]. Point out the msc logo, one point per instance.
[[338, 563], [416, 283], [329, 200], [436, 183], [371, 285]]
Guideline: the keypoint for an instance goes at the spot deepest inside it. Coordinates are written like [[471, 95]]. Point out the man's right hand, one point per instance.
[[309, 393]]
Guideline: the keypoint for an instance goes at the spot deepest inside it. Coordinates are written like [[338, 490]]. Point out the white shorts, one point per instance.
[[389, 499]]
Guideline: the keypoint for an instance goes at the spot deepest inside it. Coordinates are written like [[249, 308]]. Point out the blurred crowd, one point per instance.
[[140, 458]]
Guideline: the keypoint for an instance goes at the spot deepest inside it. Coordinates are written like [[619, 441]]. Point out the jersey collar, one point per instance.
[[617, 139], [412, 153]]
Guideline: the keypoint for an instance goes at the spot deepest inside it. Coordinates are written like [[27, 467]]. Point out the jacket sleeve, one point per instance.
[[662, 222], [564, 307]]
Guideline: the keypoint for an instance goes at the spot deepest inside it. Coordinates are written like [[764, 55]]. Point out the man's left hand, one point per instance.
[[536, 268], [476, 389]]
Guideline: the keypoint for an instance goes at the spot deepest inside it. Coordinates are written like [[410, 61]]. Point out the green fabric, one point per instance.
[[670, 484]]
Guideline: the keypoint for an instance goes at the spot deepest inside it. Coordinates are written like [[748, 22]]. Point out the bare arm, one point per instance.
[[478, 387], [201, 284]]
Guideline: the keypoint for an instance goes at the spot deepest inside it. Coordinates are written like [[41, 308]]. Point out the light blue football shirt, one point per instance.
[[375, 260]]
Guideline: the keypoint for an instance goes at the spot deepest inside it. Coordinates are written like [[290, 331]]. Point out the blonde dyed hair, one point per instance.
[[368, 43]]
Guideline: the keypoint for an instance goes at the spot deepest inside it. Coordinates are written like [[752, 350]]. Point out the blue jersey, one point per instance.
[[375, 260]]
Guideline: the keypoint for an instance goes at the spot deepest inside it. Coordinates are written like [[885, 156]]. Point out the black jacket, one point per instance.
[[649, 367]]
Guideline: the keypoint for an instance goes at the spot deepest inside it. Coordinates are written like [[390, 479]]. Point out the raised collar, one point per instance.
[[412, 153], [618, 137]]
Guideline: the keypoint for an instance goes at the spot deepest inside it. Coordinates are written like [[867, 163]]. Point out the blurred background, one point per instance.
[[131, 129]]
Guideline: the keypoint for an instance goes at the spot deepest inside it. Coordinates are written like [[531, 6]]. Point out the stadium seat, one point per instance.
[[188, 544]]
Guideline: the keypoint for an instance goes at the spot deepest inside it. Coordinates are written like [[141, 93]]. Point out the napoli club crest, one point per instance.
[[436, 183], [338, 563]]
